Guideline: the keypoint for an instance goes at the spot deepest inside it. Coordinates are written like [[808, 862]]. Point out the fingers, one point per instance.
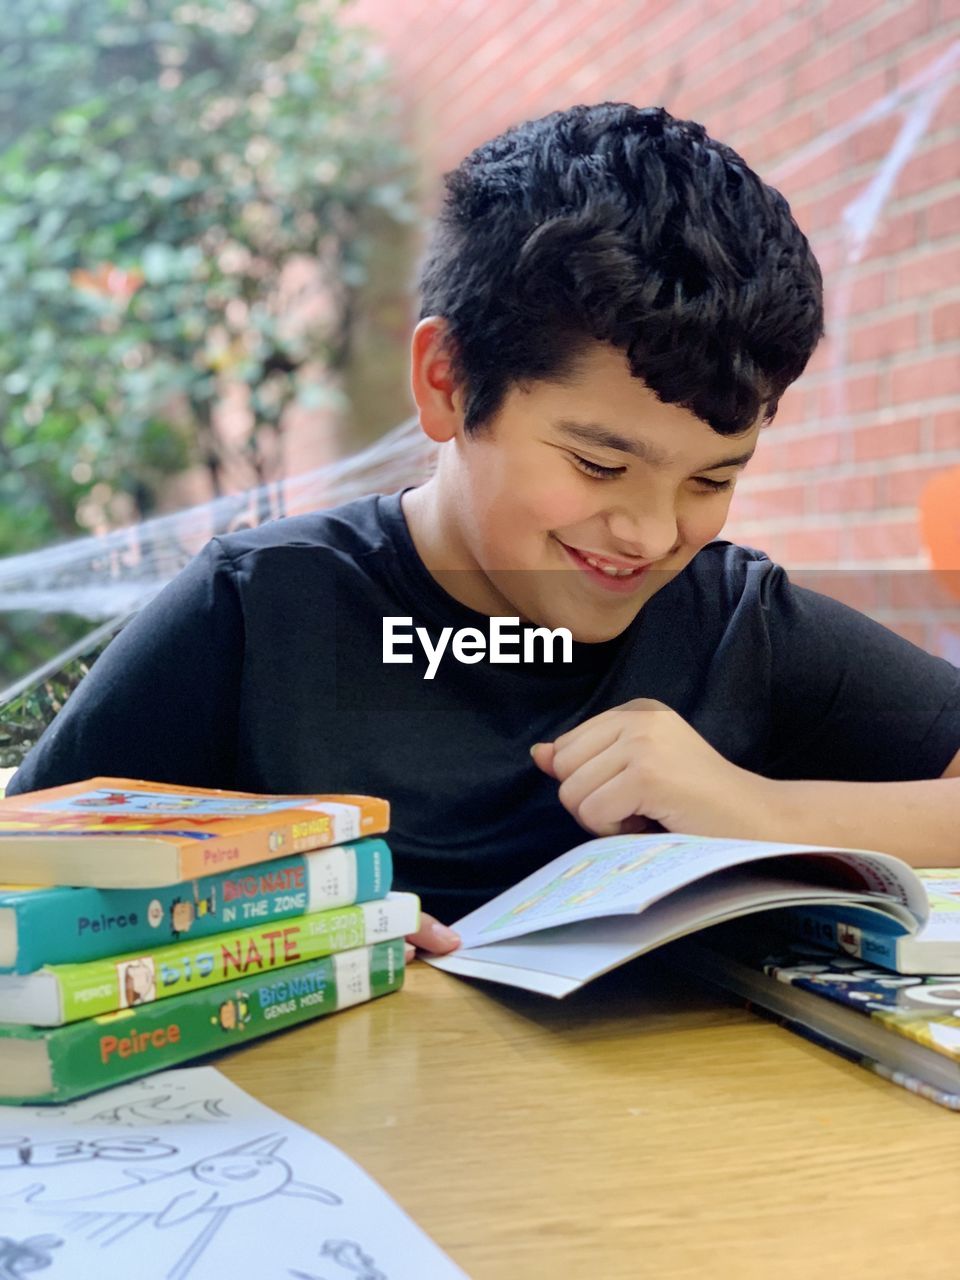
[[433, 936]]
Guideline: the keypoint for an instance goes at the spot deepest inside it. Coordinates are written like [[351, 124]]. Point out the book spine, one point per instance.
[[104, 1051], [72, 926], [316, 827], [828, 928], [102, 986]]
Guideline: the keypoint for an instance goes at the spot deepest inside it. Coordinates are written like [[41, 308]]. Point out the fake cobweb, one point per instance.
[[106, 579]]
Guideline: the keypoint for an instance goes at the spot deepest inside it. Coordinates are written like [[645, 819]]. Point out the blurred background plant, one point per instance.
[[186, 196]]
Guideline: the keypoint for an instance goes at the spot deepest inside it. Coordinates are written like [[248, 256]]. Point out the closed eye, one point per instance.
[[714, 486], [594, 468]]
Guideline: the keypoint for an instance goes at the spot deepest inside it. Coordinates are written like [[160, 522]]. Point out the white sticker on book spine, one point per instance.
[[333, 879], [352, 972], [344, 819]]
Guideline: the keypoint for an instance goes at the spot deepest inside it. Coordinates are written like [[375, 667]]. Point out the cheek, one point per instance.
[[704, 518]]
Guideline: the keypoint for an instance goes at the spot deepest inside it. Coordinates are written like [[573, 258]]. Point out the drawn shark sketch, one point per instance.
[[21, 1153], [162, 1110], [18, 1257], [347, 1254], [210, 1188]]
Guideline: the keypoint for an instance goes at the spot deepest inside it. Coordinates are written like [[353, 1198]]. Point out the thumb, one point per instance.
[[542, 754], [433, 936]]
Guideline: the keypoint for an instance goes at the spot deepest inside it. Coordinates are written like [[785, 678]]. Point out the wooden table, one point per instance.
[[640, 1128]]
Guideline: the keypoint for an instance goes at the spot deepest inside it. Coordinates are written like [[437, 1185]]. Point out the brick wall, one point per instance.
[[852, 108]]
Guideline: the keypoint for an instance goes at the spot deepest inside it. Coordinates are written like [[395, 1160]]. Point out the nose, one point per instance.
[[647, 534]]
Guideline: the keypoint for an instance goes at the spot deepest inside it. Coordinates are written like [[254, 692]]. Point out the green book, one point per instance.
[[63, 993], [56, 1064]]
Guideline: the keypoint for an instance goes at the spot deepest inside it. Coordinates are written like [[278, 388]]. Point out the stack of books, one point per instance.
[[142, 925]]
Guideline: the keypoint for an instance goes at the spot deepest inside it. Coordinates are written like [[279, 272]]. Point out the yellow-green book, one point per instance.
[[63, 993]]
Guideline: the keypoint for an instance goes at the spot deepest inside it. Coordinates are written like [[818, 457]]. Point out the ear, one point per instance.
[[439, 401]]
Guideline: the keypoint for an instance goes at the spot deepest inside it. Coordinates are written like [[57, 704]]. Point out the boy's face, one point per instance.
[[515, 511]]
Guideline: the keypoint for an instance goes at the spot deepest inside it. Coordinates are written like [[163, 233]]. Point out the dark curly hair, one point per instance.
[[626, 226]]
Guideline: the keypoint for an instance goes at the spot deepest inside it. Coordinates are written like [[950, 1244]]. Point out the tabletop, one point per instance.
[[642, 1127]]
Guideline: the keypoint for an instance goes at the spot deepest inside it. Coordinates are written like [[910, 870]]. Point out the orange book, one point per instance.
[[118, 833]]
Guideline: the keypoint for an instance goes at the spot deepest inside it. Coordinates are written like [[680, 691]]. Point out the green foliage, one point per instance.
[[164, 166]]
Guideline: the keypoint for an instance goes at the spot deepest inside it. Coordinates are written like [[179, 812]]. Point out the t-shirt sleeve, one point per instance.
[[162, 701], [850, 699]]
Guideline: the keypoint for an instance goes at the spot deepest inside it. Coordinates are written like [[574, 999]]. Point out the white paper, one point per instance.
[[182, 1174], [613, 875], [557, 961]]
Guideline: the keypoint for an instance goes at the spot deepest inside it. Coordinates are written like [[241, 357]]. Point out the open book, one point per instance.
[[616, 897]]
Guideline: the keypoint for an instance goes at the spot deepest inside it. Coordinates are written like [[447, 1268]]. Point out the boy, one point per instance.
[[612, 305]]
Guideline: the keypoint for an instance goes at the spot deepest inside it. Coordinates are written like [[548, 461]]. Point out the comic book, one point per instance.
[[119, 833], [63, 993], [903, 1028], [53, 1064], [616, 897], [877, 940], [63, 925]]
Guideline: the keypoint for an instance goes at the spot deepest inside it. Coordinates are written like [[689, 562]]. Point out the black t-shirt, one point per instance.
[[259, 668]]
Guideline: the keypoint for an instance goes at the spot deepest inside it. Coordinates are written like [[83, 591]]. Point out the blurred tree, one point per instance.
[[187, 192]]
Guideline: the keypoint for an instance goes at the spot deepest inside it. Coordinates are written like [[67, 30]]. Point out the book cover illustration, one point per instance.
[[185, 1175], [129, 810], [922, 1008]]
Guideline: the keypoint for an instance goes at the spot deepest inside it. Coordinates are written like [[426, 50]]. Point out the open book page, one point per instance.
[[619, 874], [558, 960], [182, 1174]]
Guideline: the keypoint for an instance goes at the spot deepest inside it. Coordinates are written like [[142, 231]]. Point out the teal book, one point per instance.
[[44, 926], [56, 1064], [878, 939]]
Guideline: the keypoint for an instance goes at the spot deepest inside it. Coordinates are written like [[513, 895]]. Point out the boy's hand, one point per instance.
[[432, 936], [641, 763]]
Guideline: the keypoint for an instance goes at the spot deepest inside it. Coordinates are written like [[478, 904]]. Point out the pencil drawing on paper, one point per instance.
[[206, 1191], [349, 1255]]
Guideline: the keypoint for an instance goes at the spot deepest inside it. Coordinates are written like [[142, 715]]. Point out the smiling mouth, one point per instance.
[[609, 578], [610, 568]]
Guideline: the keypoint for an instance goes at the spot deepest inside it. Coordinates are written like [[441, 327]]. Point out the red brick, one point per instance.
[[769, 504], [791, 133], [946, 430], [917, 633], [797, 39], [840, 494], [809, 452], [930, 273], [794, 407], [893, 235], [929, 168], [815, 171], [760, 103], [945, 322], [884, 338], [883, 541], [863, 589], [943, 218], [948, 112], [887, 440], [918, 589], [847, 103], [874, 141], [903, 488], [905, 25], [926, 379], [842, 12], [822, 68], [808, 546], [869, 291], [844, 394]]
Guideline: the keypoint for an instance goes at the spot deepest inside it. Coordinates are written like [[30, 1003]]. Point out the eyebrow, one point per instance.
[[597, 434]]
